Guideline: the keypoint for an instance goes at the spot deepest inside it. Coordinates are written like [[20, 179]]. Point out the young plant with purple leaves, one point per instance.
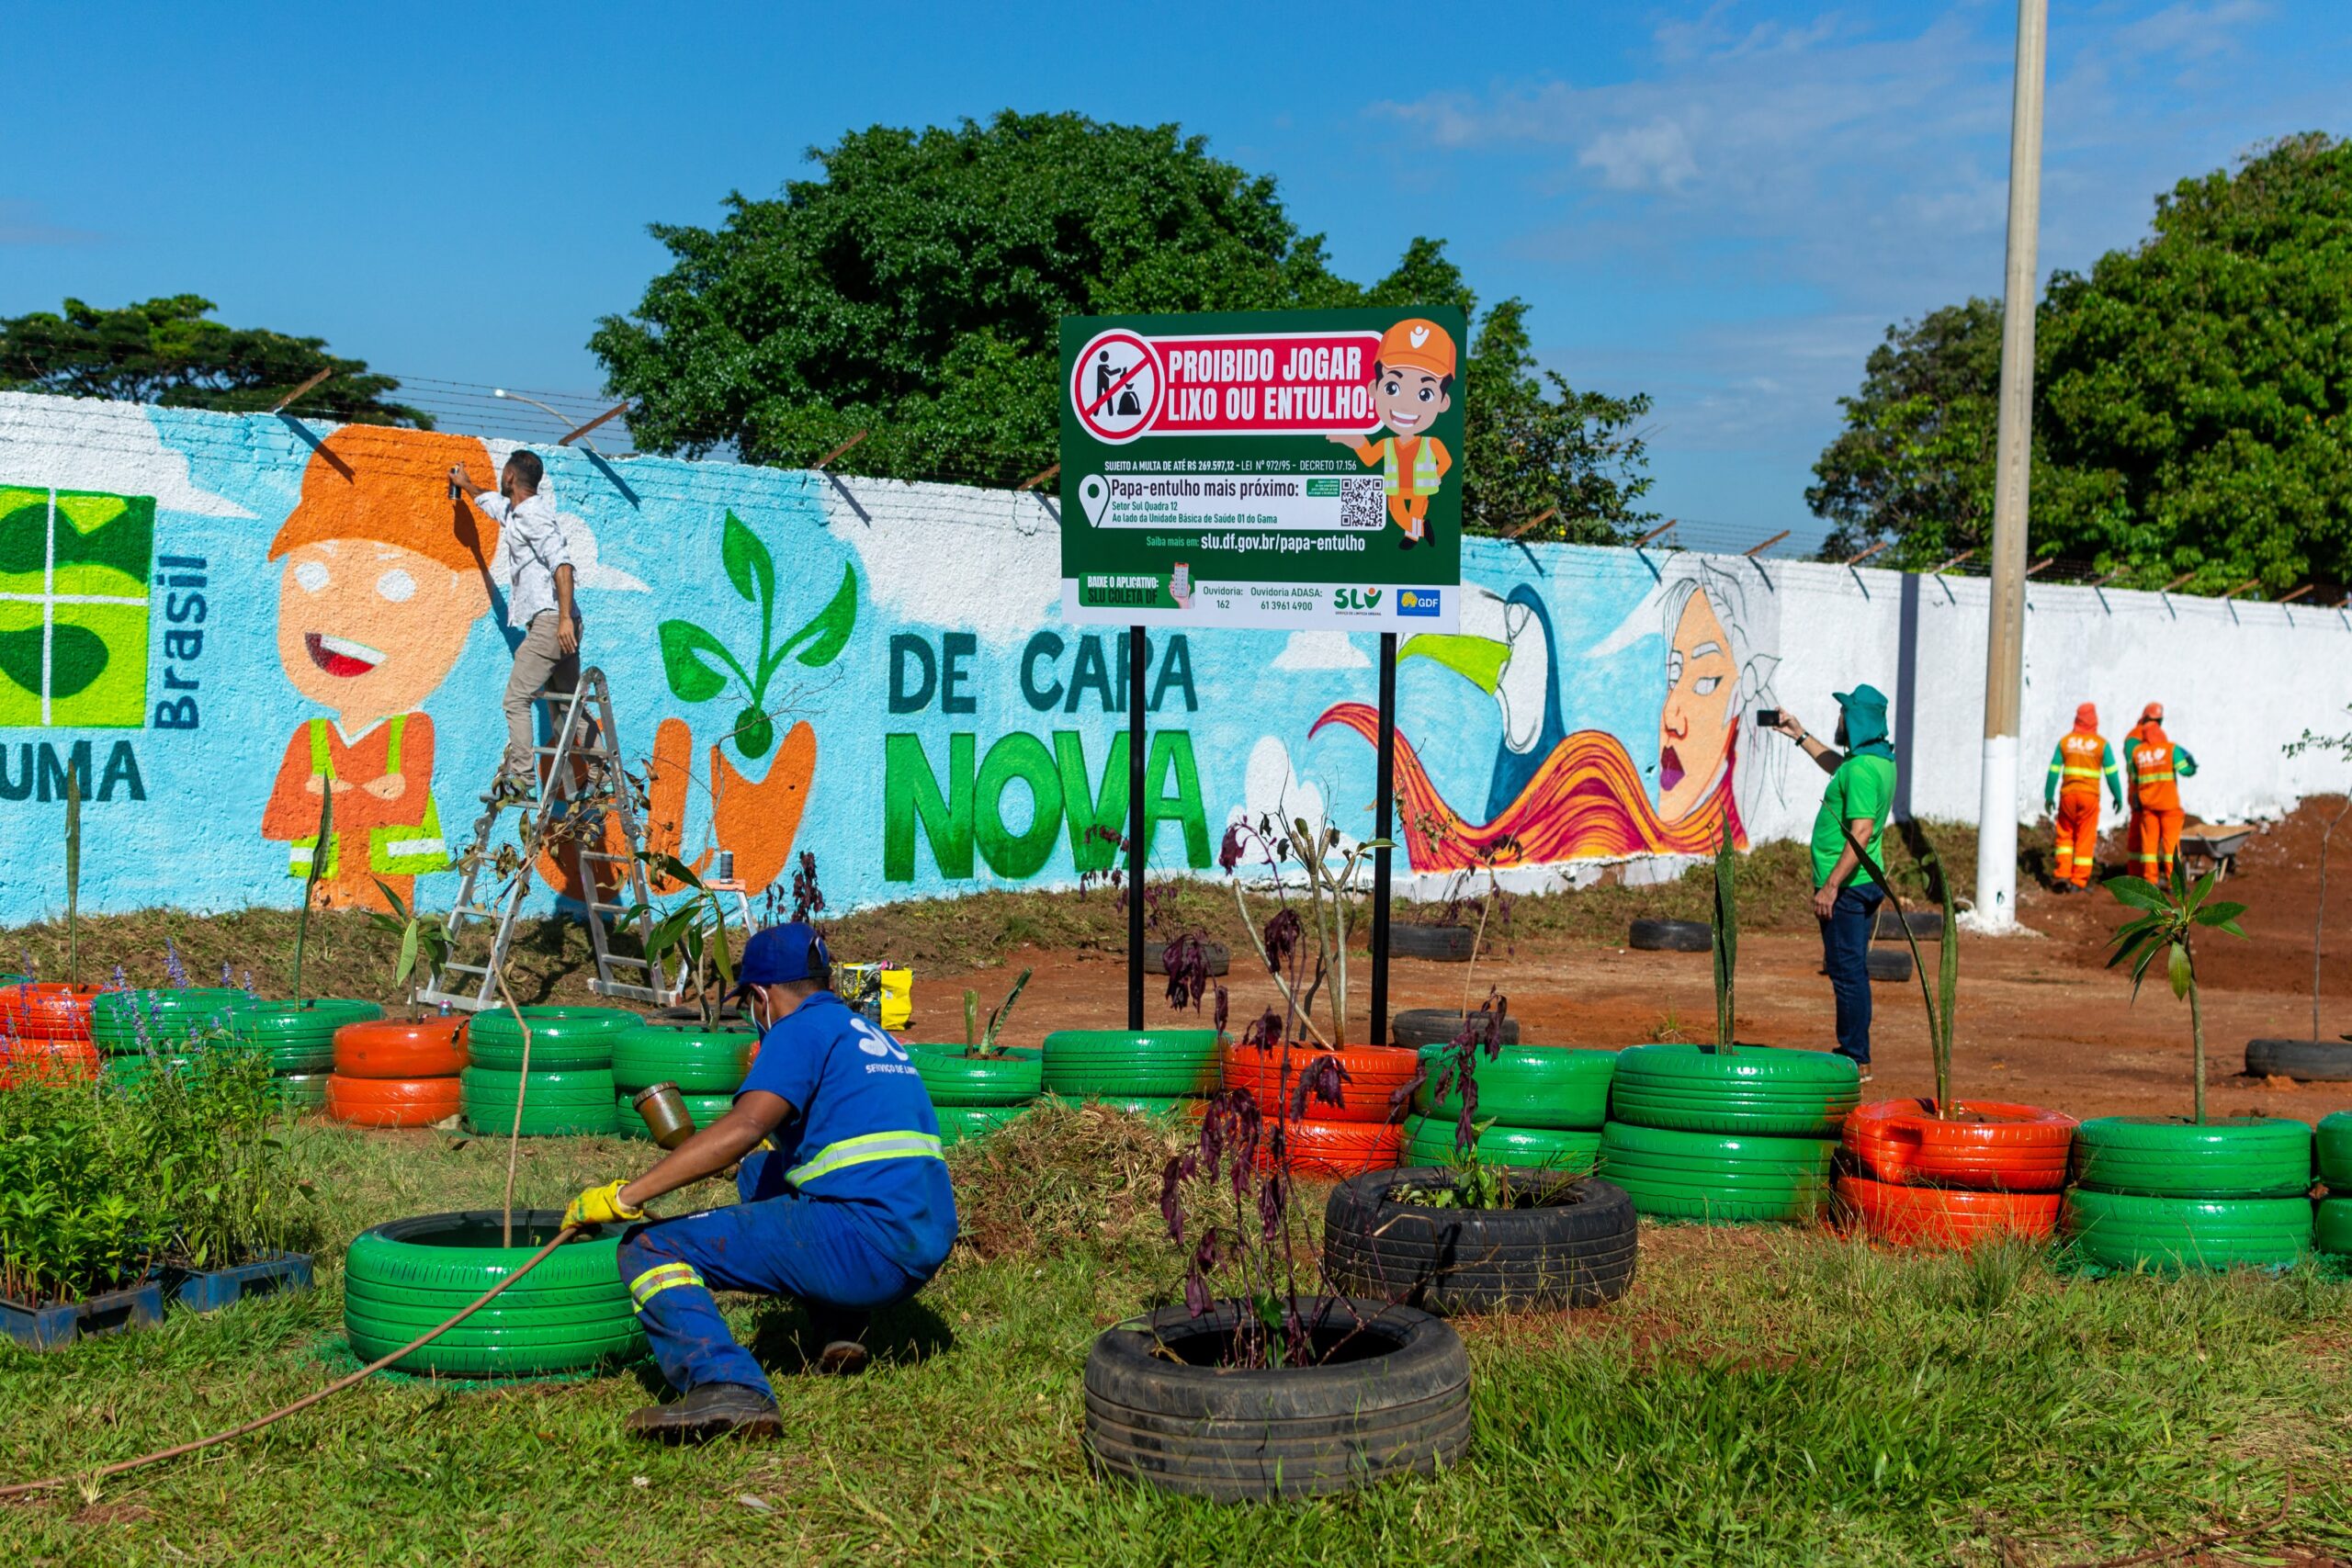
[[1473, 1183], [1326, 866]]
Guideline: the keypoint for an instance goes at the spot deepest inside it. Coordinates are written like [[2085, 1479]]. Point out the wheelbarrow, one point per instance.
[[2217, 845]]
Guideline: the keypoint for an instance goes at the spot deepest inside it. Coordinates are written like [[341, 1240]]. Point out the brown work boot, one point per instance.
[[714, 1410], [841, 1358]]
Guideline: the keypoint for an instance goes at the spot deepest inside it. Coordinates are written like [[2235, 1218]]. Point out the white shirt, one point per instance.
[[530, 548]]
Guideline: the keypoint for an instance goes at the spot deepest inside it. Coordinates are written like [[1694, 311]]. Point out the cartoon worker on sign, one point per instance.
[[1412, 383]]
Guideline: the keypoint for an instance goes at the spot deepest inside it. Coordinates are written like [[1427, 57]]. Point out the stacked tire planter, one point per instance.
[[2332, 1221], [1697, 1134], [397, 1073], [1988, 1170], [974, 1096], [569, 1088], [573, 1312], [1571, 1246], [45, 1031], [1360, 1134], [1547, 1105], [299, 1039], [137, 1032], [707, 1066], [2154, 1192], [1149, 1072]]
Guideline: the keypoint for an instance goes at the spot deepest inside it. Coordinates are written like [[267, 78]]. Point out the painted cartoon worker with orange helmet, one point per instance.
[[1412, 383]]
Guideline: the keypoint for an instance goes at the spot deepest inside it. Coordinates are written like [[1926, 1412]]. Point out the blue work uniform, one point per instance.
[[851, 1212]]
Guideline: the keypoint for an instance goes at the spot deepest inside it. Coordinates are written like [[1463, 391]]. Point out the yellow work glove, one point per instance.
[[601, 1206]]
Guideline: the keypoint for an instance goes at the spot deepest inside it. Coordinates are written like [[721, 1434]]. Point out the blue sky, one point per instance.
[[1722, 204]]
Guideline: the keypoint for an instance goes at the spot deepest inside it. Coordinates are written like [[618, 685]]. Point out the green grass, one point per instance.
[[1762, 1395]]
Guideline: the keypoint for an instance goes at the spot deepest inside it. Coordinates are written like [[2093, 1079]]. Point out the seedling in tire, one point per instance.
[[2171, 914], [421, 937], [1724, 942], [980, 1045]]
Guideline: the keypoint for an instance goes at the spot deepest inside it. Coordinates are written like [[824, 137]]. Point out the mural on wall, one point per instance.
[[74, 608], [1555, 794]]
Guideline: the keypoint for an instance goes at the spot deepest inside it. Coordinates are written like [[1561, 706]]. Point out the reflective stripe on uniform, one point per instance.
[[658, 1279], [1425, 474], [862, 1149]]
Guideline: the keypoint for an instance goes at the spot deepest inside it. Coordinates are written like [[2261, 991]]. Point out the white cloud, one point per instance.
[[1656, 154], [84, 443], [1320, 650]]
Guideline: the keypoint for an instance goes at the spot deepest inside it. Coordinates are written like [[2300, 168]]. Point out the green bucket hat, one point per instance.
[[1865, 712]]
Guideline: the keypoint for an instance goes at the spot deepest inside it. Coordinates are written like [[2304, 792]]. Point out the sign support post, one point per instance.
[[1136, 665], [1383, 827]]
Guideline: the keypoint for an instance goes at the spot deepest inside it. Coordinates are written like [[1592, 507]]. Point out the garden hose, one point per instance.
[[23, 1487]]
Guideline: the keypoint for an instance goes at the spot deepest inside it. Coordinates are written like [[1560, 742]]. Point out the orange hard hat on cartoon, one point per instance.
[[1418, 344]]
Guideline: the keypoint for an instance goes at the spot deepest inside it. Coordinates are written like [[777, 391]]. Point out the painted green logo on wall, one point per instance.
[[73, 580]]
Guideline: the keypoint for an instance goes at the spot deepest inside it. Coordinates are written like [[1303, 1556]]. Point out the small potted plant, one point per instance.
[[983, 1084], [1255, 1384], [2168, 1192], [1148, 1071], [1472, 1234]]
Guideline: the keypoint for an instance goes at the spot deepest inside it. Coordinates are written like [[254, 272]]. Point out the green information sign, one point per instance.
[[1267, 468]]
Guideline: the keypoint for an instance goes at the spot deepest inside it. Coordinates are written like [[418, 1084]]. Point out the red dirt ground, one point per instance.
[[2040, 1019]]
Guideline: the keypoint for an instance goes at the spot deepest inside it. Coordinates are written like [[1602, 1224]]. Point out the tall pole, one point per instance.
[[1137, 670], [1997, 820], [1383, 827]]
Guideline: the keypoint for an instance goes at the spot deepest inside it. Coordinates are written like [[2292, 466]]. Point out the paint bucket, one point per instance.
[[665, 1113]]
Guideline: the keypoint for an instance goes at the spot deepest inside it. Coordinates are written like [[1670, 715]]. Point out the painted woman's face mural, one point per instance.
[[1701, 713]]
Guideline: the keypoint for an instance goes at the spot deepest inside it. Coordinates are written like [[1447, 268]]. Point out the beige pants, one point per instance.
[[539, 666]]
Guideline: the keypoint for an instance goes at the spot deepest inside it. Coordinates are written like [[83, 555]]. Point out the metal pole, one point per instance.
[[1384, 827], [1135, 670], [1997, 821]]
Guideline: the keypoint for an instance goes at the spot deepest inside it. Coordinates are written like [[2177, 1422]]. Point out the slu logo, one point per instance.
[[1416, 601], [1357, 598]]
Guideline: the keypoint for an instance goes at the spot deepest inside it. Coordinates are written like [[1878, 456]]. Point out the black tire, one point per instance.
[[1439, 944], [1925, 925], [1292, 1432], [1671, 936], [1576, 1251], [1889, 964], [1155, 957], [1417, 1027], [2311, 1061]]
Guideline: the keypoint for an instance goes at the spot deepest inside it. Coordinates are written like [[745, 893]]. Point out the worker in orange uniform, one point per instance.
[[2071, 794], [1412, 383], [2155, 766]]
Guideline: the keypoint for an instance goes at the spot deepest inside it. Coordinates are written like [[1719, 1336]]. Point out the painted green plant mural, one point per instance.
[[74, 580], [700, 667]]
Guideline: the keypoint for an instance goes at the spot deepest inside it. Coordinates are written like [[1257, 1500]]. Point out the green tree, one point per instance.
[[168, 351], [915, 292], [2191, 396]]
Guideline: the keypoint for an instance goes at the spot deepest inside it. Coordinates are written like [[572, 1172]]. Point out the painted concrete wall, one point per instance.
[[201, 617]]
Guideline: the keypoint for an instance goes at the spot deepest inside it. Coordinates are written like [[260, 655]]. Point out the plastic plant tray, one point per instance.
[[53, 1327], [217, 1288]]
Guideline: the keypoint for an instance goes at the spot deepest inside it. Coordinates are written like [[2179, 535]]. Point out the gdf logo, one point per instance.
[[1357, 598]]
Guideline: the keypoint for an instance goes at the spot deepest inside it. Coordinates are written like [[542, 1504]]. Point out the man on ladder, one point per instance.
[[539, 603]]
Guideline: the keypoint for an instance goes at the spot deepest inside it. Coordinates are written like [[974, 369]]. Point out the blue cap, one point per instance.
[[778, 954]]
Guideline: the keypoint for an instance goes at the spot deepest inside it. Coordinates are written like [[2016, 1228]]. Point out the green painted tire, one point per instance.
[[1429, 1140], [698, 1060], [961, 1123], [2333, 1144], [1109, 1064], [2332, 1226], [571, 1311], [951, 1077], [1757, 1089], [556, 1104], [166, 1017], [2126, 1230], [1132, 1104], [561, 1038], [1723, 1178], [704, 1108], [129, 1072], [1527, 1086], [300, 1092], [298, 1036], [2159, 1156]]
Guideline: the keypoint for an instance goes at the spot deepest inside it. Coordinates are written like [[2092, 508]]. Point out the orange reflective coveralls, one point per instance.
[[2157, 766], [2071, 794]]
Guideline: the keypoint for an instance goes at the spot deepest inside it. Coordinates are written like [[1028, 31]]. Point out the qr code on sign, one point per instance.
[[1361, 502]]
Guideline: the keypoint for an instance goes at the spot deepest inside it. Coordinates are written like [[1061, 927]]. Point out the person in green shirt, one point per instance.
[[1845, 897]]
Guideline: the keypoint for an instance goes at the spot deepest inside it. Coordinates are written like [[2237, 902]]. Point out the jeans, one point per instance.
[[1845, 953], [539, 665]]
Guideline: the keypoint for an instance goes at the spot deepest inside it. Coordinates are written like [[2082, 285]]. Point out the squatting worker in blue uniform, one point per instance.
[[847, 1209]]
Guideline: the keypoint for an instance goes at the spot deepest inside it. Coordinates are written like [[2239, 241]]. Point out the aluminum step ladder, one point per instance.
[[582, 784]]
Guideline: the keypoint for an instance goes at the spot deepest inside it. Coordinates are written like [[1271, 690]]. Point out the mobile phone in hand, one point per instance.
[[1768, 719]]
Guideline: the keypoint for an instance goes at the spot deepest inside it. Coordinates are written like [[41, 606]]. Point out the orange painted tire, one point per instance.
[[1375, 1072], [1336, 1149], [35, 1060], [46, 1010], [394, 1048], [1946, 1216], [391, 1102], [1989, 1145]]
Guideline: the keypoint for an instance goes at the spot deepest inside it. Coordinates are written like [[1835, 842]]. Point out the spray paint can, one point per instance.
[[665, 1113]]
